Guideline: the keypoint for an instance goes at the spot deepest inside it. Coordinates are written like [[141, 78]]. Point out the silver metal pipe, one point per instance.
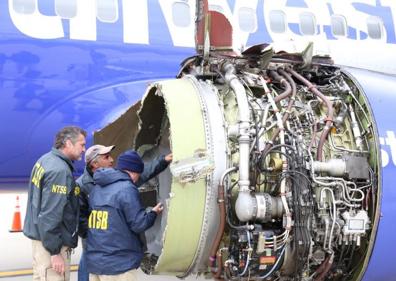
[[355, 129], [333, 167], [244, 125], [334, 214], [334, 147]]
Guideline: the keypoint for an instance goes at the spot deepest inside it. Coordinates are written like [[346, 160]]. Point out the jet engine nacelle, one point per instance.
[[275, 173]]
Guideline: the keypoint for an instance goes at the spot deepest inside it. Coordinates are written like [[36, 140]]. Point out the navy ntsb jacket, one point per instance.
[[117, 217], [86, 183]]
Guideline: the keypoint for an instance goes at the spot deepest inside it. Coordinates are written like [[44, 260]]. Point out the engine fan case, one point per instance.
[[190, 219]]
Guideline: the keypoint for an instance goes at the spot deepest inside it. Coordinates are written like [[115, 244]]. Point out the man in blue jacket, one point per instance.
[[97, 156], [117, 218]]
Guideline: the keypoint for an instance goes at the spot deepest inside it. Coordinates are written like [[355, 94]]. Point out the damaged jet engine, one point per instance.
[[276, 166], [276, 169]]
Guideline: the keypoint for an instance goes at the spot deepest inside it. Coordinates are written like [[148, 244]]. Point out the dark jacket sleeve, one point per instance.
[[84, 208], [152, 169], [54, 198], [137, 218]]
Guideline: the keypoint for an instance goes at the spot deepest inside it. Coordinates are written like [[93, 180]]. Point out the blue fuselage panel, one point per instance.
[[380, 90]]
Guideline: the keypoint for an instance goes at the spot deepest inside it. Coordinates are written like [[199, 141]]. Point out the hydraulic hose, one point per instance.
[[290, 89], [220, 231], [326, 268], [330, 111]]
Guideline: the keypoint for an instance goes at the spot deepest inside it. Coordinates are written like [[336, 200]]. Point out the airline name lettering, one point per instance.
[[358, 15], [388, 142], [136, 16]]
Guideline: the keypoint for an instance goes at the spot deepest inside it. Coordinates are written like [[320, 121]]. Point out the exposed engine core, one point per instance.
[[275, 172]]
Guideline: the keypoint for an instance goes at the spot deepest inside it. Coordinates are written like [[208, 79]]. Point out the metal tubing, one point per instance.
[[244, 125]]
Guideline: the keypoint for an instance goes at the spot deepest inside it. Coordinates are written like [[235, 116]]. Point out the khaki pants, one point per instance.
[[42, 268], [130, 275]]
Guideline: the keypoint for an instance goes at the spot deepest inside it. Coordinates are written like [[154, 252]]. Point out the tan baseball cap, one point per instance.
[[96, 150]]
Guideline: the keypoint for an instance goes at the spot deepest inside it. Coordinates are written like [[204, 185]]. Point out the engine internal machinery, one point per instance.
[[288, 161]]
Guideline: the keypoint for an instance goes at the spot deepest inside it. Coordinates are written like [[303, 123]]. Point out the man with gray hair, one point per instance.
[[97, 156], [52, 211]]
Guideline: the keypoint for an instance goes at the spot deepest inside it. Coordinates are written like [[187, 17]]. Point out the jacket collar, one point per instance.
[[58, 153], [106, 176], [87, 176]]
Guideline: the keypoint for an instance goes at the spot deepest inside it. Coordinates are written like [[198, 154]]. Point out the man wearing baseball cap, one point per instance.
[[118, 217], [97, 156]]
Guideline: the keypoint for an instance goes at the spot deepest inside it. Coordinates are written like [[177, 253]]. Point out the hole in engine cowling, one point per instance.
[[153, 141], [171, 119]]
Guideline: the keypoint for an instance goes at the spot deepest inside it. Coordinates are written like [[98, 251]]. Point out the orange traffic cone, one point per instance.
[[16, 222]]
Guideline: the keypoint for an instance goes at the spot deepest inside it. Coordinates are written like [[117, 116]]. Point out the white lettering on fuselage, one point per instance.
[[136, 16], [36, 25], [389, 140], [84, 25], [136, 21]]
